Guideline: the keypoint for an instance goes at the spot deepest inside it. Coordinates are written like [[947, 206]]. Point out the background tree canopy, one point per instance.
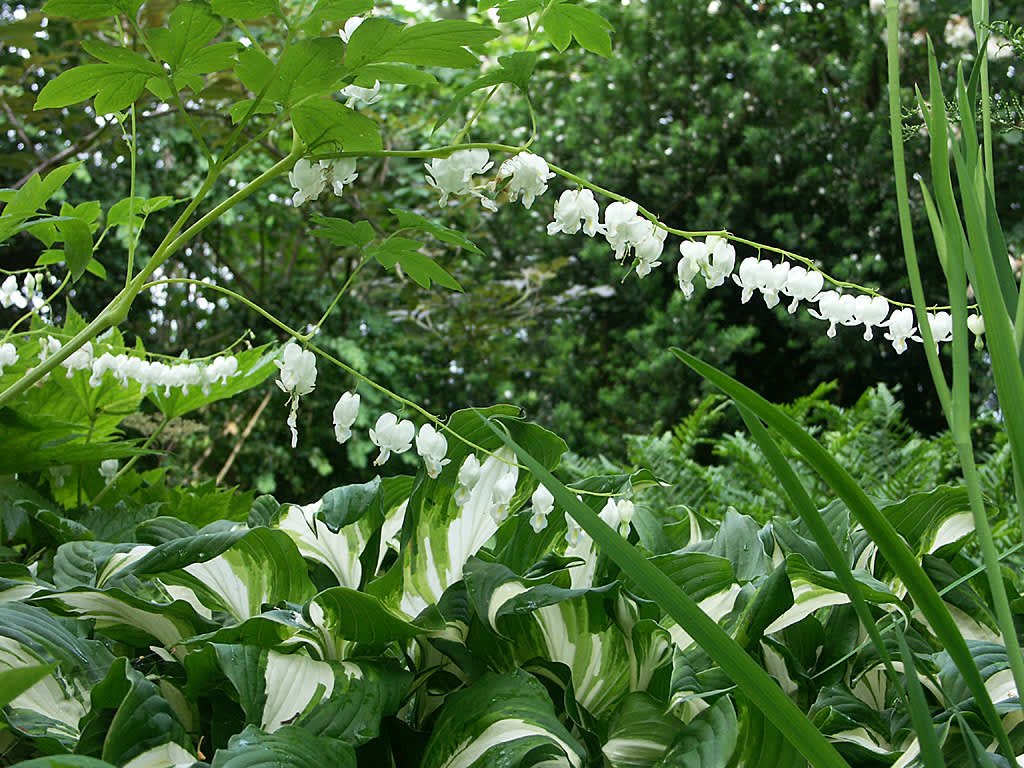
[[768, 119]]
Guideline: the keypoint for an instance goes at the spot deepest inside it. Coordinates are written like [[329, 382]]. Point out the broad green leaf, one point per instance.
[[394, 73], [128, 716], [410, 220], [325, 125], [434, 43], [708, 741], [361, 618], [510, 10], [31, 197], [77, 245], [292, 683], [364, 693], [421, 269], [263, 566], [189, 27], [290, 747], [563, 21], [890, 544], [115, 87], [246, 10], [88, 10], [334, 10], [344, 233], [498, 719], [932, 519], [440, 534], [557, 624], [66, 761], [307, 68], [760, 744], [127, 618], [639, 732], [15, 681], [338, 550]]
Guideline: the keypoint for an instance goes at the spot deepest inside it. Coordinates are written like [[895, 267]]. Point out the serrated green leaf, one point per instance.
[[307, 68], [344, 233], [395, 73], [410, 220], [510, 10], [335, 10], [423, 269], [326, 125], [114, 86], [434, 43], [77, 245], [591, 30], [246, 10], [87, 10], [189, 28]]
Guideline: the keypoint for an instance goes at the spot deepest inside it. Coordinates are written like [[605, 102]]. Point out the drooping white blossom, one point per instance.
[[345, 33], [573, 207], [108, 469], [618, 515], [901, 327], [976, 325], [10, 293], [802, 285], [941, 325], [339, 172], [346, 410], [624, 227], [79, 360], [49, 346], [543, 502], [220, 370], [573, 533], [689, 265], [469, 474], [357, 96], [529, 177], [718, 261], [453, 175], [8, 355], [432, 446], [297, 378], [835, 308], [501, 496], [391, 436], [648, 251], [871, 311], [308, 179]]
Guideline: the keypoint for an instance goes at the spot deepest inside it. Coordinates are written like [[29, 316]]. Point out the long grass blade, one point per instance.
[[885, 537], [760, 689]]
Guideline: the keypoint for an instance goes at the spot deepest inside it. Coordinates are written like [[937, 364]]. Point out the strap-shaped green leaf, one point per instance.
[[885, 536], [734, 660]]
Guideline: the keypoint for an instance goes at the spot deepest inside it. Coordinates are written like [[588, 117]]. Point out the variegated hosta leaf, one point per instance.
[[261, 567], [446, 523], [51, 708], [845, 718], [933, 519], [707, 741], [16, 582], [289, 747], [335, 530], [450, 533], [339, 700], [128, 716], [640, 732], [129, 619], [499, 720], [994, 667], [814, 589], [556, 624], [708, 579]]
